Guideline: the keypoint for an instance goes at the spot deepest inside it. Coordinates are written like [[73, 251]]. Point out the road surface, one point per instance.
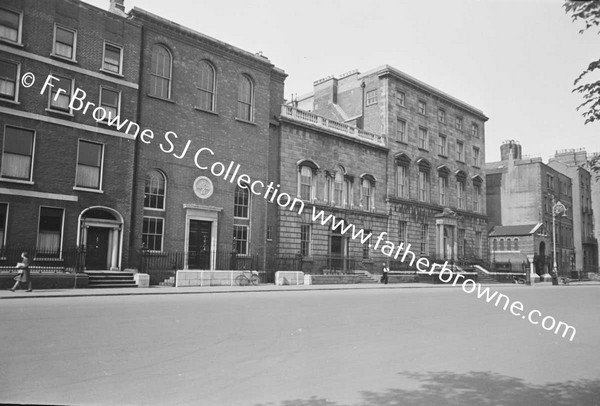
[[350, 347]]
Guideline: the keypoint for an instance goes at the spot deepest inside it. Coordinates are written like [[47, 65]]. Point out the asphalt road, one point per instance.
[[348, 347]]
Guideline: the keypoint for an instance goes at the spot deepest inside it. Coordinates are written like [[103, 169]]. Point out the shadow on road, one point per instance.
[[473, 388]]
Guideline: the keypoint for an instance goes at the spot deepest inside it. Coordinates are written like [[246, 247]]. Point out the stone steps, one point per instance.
[[110, 279]]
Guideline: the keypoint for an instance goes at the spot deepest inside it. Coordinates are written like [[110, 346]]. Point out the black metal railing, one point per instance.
[[70, 260], [164, 265]]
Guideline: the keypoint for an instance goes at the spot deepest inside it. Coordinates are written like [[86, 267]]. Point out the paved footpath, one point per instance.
[[161, 290]]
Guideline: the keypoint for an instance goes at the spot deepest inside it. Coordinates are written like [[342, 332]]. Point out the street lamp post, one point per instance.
[[560, 209]]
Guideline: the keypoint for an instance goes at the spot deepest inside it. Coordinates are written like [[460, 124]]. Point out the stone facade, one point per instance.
[[523, 191], [573, 163], [338, 172], [436, 147], [66, 179]]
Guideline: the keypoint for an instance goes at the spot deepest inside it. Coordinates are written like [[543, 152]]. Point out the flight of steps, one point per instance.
[[366, 277], [110, 279]]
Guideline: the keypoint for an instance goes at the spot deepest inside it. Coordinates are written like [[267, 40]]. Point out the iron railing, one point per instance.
[[164, 265], [70, 260]]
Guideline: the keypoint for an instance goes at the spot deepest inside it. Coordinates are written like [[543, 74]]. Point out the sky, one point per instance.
[[515, 60]]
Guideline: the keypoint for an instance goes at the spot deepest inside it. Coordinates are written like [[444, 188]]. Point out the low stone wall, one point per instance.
[[334, 279], [434, 278], [48, 280], [207, 278], [402, 278], [289, 278]]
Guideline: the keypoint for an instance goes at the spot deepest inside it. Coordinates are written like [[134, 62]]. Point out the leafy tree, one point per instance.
[[587, 12]]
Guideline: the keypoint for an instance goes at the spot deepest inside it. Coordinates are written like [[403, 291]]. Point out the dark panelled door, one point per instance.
[[96, 248], [199, 245]]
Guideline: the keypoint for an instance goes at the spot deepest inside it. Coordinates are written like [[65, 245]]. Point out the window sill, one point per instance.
[[111, 73], [62, 113], [16, 102], [476, 166], [12, 43], [160, 98], [214, 113], [401, 142], [154, 209], [443, 156], [64, 58], [423, 149], [241, 120], [83, 189], [460, 162], [22, 182]]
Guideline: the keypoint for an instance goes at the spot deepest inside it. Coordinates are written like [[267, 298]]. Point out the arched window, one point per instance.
[[207, 86], [338, 185], [494, 245], [160, 72], [154, 190], [306, 180], [241, 219], [501, 246], [307, 172], [245, 98], [516, 244], [367, 192], [508, 244]]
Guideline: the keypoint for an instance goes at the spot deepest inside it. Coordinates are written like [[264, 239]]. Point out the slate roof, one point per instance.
[[522, 229]]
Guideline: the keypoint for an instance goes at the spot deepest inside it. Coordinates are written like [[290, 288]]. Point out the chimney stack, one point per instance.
[[117, 7]]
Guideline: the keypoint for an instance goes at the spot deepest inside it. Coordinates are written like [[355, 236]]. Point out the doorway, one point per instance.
[[199, 238], [97, 249]]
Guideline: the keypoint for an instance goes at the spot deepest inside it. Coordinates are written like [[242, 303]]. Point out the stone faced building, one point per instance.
[[209, 106], [524, 191], [573, 163], [336, 170], [66, 177], [435, 188]]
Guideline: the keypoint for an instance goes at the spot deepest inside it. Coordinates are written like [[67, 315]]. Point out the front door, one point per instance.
[[199, 245], [96, 256], [337, 253]]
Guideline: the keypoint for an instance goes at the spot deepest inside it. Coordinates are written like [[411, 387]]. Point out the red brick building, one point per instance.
[[210, 107], [66, 177]]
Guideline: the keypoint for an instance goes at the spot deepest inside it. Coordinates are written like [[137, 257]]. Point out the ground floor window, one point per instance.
[[305, 240], [3, 219], [240, 239], [50, 228], [425, 239], [152, 233], [367, 246]]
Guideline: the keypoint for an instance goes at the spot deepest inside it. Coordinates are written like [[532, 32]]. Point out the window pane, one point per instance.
[[9, 25], [89, 153], [112, 58], [8, 79], [18, 141]]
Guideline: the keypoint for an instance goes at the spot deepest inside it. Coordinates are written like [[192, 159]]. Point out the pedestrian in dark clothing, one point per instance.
[[24, 275], [385, 271]]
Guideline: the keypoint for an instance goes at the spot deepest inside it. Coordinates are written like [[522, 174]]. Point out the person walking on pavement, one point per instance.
[[24, 275], [385, 271]]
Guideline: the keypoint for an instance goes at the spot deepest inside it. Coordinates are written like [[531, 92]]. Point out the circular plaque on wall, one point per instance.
[[203, 187]]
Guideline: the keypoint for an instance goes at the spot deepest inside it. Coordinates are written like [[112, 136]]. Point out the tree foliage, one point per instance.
[[587, 12]]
